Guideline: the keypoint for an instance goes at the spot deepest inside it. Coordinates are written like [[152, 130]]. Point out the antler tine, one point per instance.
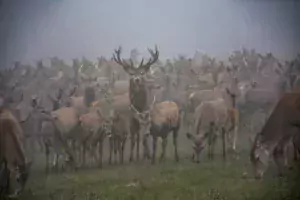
[[142, 62], [117, 58], [155, 54], [152, 60], [80, 68], [131, 62], [195, 73]]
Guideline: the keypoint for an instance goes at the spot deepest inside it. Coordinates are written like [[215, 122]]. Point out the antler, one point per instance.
[[151, 61], [212, 61], [127, 67], [194, 72]]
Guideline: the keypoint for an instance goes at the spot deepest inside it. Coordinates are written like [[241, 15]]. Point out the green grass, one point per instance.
[[209, 180], [167, 181]]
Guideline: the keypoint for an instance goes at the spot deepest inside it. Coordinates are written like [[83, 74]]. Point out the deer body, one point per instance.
[[138, 94]]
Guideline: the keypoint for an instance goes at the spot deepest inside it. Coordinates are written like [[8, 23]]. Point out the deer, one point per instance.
[[138, 94], [279, 129], [161, 119]]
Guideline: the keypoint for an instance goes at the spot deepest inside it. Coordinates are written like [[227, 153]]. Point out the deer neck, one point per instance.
[[138, 95]]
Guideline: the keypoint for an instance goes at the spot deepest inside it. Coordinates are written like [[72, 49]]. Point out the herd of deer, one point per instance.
[[77, 123]]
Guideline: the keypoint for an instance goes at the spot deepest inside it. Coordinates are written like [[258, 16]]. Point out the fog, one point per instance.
[[34, 29]]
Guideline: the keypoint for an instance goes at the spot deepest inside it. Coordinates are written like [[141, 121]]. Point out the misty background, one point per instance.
[[34, 29]]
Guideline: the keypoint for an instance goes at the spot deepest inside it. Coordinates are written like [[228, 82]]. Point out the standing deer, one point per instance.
[[137, 93], [161, 119]]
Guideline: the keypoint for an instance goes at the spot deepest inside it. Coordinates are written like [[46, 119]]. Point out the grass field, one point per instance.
[[208, 180], [166, 181]]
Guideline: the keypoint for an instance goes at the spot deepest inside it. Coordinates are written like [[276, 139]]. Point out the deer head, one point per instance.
[[136, 74], [34, 101]]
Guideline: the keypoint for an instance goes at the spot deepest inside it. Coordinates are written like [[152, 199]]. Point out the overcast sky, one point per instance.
[[33, 29]]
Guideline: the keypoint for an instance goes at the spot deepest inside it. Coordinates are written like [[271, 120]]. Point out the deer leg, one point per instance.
[[212, 140], [132, 144], [55, 162], [138, 146], [122, 150], [40, 144], [88, 158], [223, 143], [193, 157], [154, 149], [78, 152], [110, 149], [295, 148], [163, 153], [75, 150], [47, 152], [213, 145], [83, 154], [209, 146], [146, 154], [94, 153], [175, 143], [100, 153], [278, 155], [279, 159], [235, 135], [116, 148], [32, 144], [229, 139], [295, 153], [91, 155]]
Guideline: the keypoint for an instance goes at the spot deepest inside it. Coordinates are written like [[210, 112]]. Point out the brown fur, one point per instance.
[[276, 132], [66, 116], [97, 139], [166, 112], [78, 103], [211, 117], [229, 100], [12, 149], [117, 140], [92, 135], [11, 141], [54, 129], [138, 93], [164, 119]]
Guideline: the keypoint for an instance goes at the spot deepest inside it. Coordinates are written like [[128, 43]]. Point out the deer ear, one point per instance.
[[253, 84]]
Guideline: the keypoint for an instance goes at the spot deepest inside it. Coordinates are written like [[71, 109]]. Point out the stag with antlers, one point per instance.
[[137, 94]]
